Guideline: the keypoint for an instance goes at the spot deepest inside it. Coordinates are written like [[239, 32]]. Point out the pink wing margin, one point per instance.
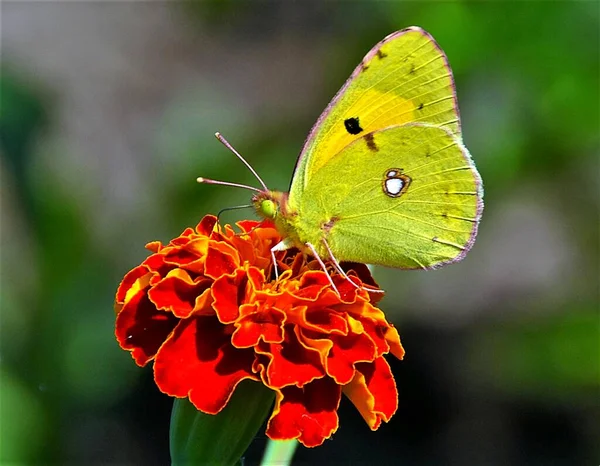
[[357, 71]]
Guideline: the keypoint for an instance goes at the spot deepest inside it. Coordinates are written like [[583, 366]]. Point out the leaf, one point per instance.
[[199, 438]]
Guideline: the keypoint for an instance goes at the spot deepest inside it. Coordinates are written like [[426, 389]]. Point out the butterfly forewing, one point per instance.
[[405, 78]]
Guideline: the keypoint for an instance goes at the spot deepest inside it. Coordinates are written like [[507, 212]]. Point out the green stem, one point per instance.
[[198, 438], [279, 452]]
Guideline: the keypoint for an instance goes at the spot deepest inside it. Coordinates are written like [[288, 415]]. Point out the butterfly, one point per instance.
[[383, 176]]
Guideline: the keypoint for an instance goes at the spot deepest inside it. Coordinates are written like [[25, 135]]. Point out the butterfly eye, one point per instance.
[[268, 208]]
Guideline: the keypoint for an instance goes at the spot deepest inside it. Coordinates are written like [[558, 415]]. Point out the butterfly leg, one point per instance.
[[338, 267], [281, 246], [274, 264], [322, 264], [336, 264]]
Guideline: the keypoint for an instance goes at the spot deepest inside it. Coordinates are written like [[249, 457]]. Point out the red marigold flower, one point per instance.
[[207, 309]]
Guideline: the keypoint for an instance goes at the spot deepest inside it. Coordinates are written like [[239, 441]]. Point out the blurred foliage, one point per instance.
[[527, 76], [548, 359]]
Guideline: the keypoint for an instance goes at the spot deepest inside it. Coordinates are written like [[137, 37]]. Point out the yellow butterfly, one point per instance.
[[383, 177]]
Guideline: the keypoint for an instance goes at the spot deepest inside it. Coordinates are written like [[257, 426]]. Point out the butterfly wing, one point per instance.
[[406, 196], [404, 78]]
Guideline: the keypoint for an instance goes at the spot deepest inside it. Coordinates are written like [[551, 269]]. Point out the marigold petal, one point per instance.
[[189, 256], [221, 259], [355, 269], [198, 361], [154, 246], [156, 262], [256, 279], [343, 353], [183, 238], [263, 240], [179, 294], [322, 345], [254, 248], [297, 263], [308, 414], [312, 285], [324, 320], [141, 328], [290, 362], [228, 292], [373, 392], [374, 324], [348, 293], [248, 225], [257, 323], [206, 225], [259, 366], [393, 339], [131, 283], [245, 248]]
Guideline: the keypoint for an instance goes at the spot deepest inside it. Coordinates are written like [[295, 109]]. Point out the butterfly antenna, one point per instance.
[[227, 209], [200, 179], [224, 141]]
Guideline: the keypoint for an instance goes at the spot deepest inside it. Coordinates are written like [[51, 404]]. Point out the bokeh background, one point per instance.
[[108, 112]]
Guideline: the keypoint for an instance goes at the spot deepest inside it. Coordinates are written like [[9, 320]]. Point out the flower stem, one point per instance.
[[198, 438], [279, 453]]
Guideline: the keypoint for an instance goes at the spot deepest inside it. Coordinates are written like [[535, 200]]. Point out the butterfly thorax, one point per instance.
[[273, 205]]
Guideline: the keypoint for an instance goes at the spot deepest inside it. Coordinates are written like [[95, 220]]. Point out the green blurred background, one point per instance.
[[108, 112]]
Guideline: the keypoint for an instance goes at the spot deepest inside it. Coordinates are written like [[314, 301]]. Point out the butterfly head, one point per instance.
[[269, 204]]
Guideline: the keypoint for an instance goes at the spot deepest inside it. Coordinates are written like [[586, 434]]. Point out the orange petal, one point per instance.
[[206, 225], [198, 361], [228, 292], [141, 328], [308, 414], [178, 293], [373, 392], [135, 280], [290, 363], [393, 339], [257, 323], [221, 259], [154, 246]]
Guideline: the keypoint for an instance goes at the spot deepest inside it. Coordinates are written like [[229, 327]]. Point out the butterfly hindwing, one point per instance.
[[406, 196]]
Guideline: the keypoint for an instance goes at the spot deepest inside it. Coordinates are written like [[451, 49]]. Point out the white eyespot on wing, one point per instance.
[[393, 186], [395, 182]]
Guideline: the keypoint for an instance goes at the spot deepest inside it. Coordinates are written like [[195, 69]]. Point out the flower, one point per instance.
[[208, 311]]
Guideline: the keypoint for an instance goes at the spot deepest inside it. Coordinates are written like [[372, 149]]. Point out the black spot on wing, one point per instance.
[[370, 139], [421, 105], [352, 125], [381, 54]]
